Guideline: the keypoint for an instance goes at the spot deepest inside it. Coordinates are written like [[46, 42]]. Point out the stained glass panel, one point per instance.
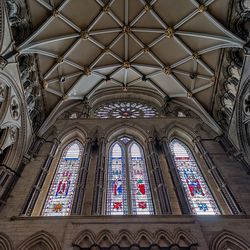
[[139, 184], [199, 196], [61, 194], [117, 192], [128, 185]]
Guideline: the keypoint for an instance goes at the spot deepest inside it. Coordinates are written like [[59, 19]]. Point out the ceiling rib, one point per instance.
[[128, 30]]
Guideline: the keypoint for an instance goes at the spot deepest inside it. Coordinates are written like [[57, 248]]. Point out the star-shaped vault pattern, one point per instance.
[[168, 47]]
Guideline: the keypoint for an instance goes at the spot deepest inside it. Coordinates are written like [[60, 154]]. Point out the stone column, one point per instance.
[[99, 178], [175, 177], [158, 177], [232, 152], [40, 180], [80, 189], [8, 178], [235, 208], [35, 146]]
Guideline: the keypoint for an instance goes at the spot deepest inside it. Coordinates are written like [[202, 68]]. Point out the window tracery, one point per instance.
[[128, 190], [200, 199], [60, 197], [126, 109]]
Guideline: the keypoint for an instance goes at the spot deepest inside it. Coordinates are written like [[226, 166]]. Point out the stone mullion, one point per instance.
[[80, 190], [224, 189], [175, 178], [40, 180], [158, 177], [99, 179]]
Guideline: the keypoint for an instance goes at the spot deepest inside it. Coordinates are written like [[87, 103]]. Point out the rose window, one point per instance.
[[126, 110]]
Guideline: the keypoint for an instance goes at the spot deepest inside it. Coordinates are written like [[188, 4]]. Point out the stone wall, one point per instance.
[[89, 229]]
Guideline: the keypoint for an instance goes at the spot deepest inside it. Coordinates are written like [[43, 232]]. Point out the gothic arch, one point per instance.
[[112, 94], [180, 132], [53, 116], [123, 237], [182, 238], [227, 239], [43, 239], [126, 129], [185, 138], [84, 239], [185, 135], [5, 242], [73, 132], [105, 238], [144, 237]]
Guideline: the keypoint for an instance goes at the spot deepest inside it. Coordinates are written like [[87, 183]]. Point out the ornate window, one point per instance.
[[60, 197], [126, 109], [197, 192], [128, 190]]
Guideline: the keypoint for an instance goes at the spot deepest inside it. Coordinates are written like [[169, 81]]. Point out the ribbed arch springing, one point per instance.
[[128, 189], [198, 194], [60, 197]]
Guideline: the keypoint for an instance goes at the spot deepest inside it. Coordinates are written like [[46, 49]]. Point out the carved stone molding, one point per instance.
[[14, 108], [5, 242], [243, 118], [18, 17], [228, 240], [40, 239], [134, 240], [1, 24]]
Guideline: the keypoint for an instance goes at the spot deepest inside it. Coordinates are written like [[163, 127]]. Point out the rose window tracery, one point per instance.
[[14, 108], [3, 91], [126, 109]]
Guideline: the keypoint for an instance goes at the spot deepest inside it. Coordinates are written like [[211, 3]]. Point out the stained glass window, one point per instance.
[[128, 189], [201, 201], [139, 184], [126, 109], [61, 194], [117, 192]]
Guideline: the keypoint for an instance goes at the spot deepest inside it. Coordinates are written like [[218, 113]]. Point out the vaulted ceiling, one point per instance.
[[169, 47]]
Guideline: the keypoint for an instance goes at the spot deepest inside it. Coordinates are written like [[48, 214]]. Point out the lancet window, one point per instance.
[[128, 189], [198, 194], [60, 197]]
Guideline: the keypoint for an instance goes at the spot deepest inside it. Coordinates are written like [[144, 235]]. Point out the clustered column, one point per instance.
[[218, 178], [40, 180], [79, 193], [174, 175], [158, 177], [99, 178]]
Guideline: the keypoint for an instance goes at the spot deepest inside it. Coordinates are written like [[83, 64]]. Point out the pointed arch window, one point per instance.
[[198, 194], [60, 197], [128, 190]]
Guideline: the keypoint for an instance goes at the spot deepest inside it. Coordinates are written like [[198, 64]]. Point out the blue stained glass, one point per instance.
[[128, 186], [139, 184], [117, 193], [199, 196], [60, 197]]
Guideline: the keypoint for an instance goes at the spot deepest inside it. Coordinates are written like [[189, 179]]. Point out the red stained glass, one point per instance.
[[61, 194], [196, 189]]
